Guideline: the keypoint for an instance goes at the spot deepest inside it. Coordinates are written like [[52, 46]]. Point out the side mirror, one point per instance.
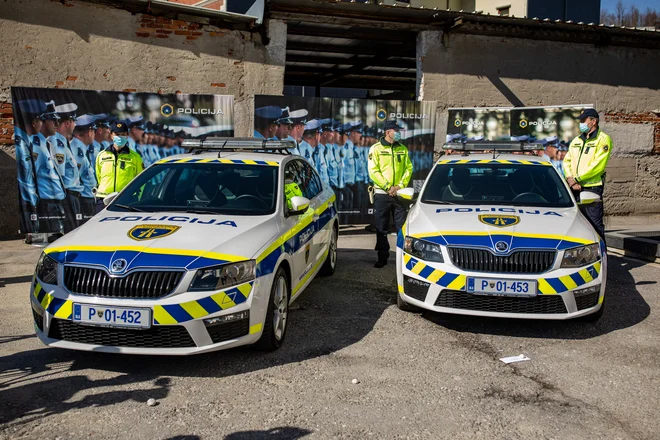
[[109, 198], [406, 193], [299, 205], [588, 197]]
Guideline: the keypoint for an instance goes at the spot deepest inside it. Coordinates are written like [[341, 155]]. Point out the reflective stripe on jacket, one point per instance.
[[114, 170], [587, 158], [389, 165]]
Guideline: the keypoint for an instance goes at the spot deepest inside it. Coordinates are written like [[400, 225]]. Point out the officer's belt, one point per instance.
[[73, 193]]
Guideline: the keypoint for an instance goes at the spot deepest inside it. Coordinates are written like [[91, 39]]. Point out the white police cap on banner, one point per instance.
[[85, 122], [552, 140], [299, 116], [67, 111], [313, 125]]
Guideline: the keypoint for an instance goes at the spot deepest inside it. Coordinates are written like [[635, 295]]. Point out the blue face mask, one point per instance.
[[120, 141], [397, 136], [584, 127]]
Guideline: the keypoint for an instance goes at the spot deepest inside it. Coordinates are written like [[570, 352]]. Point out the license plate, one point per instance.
[[111, 316], [491, 286]]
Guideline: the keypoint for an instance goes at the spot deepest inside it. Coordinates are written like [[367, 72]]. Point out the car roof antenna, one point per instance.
[[220, 152]]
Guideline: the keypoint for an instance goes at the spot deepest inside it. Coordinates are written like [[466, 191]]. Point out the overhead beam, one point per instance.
[[353, 33], [373, 61], [343, 72], [369, 84], [390, 50]]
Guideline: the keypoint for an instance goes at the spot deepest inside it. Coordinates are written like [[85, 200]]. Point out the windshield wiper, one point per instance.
[[438, 202], [130, 208], [201, 211]]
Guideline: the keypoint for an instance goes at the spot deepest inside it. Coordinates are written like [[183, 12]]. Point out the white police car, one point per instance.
[[198, 253], [500, 235]]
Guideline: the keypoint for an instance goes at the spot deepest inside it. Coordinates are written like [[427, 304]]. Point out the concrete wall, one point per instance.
[[89, 46], [460, 70]]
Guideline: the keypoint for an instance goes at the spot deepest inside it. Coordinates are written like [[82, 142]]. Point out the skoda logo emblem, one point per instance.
[[501, 246], [119, 265]]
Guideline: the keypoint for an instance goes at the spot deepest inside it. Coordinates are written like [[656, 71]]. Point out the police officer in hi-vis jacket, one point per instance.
[[585, 163], [390, 169]]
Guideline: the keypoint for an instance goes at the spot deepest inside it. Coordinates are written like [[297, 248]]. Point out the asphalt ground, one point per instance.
[[419, 376]]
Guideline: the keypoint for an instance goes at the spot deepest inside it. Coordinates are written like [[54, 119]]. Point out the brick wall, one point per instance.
[[639, 118], [92, 46]]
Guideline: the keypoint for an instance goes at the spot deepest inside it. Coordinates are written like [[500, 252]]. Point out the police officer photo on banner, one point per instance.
[[335, 135], [73, 147]]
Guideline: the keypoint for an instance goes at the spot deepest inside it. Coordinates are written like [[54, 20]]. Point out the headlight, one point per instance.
[[222, 277], [47, 269], [423, 250], [581, 256]]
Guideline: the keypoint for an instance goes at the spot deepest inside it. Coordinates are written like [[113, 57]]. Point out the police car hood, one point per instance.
[[164, 240], [505, 228]]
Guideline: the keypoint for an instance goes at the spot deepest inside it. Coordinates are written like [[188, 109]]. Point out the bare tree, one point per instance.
[[634, 16], [650, 17], [630, 17], [620, 12]]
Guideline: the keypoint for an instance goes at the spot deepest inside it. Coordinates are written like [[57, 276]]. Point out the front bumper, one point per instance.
[[559, 296], [177, 327]]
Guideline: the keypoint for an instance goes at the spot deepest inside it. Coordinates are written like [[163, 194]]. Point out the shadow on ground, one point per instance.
[[332, 314], [624, 307]]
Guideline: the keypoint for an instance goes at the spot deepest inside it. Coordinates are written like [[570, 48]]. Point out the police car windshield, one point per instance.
[[496, 184], [232, 189]]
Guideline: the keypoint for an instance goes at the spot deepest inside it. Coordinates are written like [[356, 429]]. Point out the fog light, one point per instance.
[[245, 314], [587, 291]]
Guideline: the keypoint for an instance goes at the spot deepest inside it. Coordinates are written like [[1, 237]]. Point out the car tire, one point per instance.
[[277, 314], [402, 305], [330, 264], [594, 317]]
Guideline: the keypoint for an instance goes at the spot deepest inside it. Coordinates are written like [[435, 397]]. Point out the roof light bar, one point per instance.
[[493, 146], [227, 143]]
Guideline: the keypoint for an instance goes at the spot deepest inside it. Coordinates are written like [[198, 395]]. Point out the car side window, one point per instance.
[[311, 186]]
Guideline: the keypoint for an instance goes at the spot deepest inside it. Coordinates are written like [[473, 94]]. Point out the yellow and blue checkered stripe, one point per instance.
[[162, 314], [551, 286], [225, 161], [546, 286], [435, 276], [57, 307], [492, 161], [178, 313]]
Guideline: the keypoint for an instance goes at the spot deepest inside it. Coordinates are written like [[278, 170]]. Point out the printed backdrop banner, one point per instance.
[[514, 123], [547, 122], [478, 124], [56, 166], [349, 127]]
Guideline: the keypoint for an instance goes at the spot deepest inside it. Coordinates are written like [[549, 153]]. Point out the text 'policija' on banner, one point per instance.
[[60, 133], [334, 136], [525, 124]]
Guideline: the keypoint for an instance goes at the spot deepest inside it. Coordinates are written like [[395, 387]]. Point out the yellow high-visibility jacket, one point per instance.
[[389, 165], [587, 158], [291, 189], [114, 170]]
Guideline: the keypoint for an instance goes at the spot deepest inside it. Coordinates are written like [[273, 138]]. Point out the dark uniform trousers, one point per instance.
[[87, 207], [386, 206], [29, 219], [71, 210], [51, 216], [100, 206], [594, 212]]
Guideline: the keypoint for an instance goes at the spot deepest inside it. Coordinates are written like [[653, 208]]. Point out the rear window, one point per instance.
[[232, 189], [496, 184]]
